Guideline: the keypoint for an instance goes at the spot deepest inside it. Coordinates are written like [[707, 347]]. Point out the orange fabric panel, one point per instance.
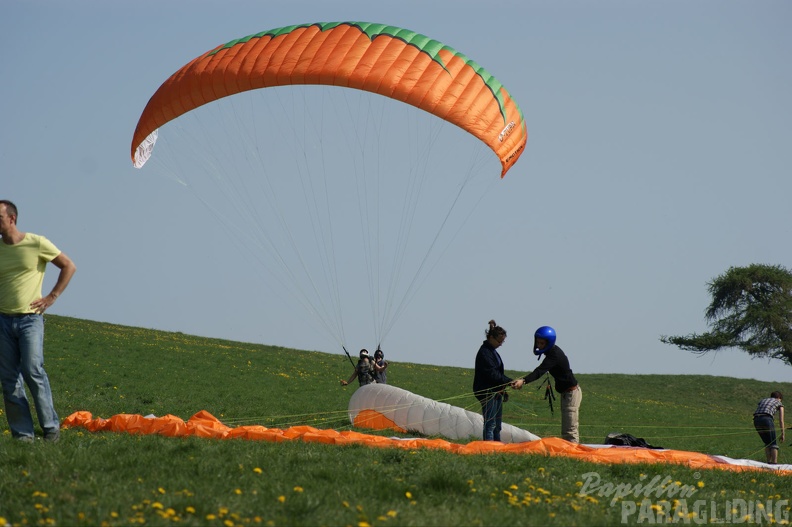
[[375, 421], [203, 424], [370, 57]]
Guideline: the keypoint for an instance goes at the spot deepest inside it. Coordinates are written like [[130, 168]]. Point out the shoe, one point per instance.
[[52, 437], [25, 439]]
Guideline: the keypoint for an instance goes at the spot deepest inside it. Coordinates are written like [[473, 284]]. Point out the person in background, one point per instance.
[[380, 367], [23, 260], [557, 364], [764, 424], [489, 381], [364, 371]]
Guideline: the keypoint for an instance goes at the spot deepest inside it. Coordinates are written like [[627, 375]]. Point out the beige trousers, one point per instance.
[[570, 405]]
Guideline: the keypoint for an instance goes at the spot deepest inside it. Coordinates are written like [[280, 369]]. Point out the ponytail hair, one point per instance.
[[495, 330]]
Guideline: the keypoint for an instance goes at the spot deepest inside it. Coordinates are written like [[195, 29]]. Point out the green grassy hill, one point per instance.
[[118, 479]]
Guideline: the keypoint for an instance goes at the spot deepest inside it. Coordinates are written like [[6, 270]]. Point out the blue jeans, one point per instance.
[[765, 425], [22, 358], [492, 410]]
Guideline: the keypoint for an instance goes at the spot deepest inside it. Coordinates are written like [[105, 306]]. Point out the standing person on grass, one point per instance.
[[23, 260], [764, 424], [380, 367], [364, 370], [490, 383], [557, 364]]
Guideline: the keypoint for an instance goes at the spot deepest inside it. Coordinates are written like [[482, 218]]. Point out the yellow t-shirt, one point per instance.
[[22, 267]]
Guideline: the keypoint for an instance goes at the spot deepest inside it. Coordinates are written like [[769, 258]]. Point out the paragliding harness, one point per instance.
[[365, 372], [549, 395]]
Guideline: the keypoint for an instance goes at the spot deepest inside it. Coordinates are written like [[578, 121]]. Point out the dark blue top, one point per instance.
[[488, 377]]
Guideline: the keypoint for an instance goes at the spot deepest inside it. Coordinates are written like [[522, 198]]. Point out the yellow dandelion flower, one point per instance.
[[345, 504], [161, 490], [408, 495], [700, 484], [281, 498], [392, 514], [257, 470], [298, 489], [238, 492], [189, 510], [364, 524], [211, 517], [513, 487], [228, 523]]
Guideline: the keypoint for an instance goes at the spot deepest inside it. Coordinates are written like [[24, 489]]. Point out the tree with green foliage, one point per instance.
[[751, 309]]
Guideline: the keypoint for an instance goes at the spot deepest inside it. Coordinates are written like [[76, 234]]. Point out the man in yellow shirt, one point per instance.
[[23, 260]]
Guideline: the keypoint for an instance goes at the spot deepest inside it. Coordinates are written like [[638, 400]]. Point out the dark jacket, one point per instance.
[[488, 377], [555, 362]]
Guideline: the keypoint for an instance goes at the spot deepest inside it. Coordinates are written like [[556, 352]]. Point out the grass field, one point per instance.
[[120, 479]]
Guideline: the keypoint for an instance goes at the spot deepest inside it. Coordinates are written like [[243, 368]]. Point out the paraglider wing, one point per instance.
[[387, 60], [383, 406]]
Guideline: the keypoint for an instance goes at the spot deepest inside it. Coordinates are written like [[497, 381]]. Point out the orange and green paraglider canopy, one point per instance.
[[378, 58]]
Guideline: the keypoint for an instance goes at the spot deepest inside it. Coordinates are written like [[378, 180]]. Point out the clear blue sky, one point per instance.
[[658, 156]]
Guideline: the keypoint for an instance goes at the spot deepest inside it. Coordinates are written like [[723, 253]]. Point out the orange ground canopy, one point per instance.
[[204, 424]]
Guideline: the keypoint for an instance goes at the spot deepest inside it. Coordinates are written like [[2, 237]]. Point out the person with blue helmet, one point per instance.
[[557, 364]]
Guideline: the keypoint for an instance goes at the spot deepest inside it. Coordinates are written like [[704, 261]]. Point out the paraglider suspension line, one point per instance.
[[349, 357]]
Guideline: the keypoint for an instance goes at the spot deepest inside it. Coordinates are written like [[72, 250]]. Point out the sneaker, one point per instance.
[[52, 437], [25, 439]]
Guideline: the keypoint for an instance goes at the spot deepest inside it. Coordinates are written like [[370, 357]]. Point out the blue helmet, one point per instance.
[[547, 333]]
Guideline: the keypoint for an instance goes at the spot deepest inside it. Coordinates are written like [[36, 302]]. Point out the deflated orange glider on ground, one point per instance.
[[203, 424], [378, 58]]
